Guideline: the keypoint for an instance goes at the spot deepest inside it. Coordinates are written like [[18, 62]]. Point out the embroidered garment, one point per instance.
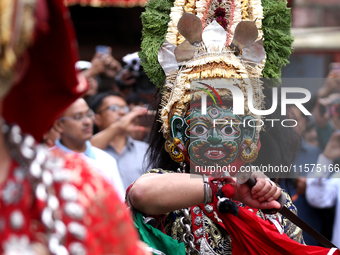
[[92, 217], [210, 229]]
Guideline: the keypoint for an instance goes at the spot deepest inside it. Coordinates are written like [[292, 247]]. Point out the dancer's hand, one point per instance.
[[262, 196]]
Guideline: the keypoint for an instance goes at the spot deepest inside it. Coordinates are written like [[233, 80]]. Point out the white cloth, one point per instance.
[[108, 166], [324, 192], [102, 162]]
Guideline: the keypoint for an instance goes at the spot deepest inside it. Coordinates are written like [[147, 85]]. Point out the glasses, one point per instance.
[[80, 116], [116, 108]]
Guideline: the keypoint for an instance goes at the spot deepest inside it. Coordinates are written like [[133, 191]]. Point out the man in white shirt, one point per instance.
[[322, 191], [76, 127]]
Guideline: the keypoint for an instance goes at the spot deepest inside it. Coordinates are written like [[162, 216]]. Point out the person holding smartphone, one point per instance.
[[115, 121], [102, 63]]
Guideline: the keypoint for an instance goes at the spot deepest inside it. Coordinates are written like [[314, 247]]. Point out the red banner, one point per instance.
[[107, 3]]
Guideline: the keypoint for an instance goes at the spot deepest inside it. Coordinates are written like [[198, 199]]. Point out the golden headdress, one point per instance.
[[16, 32], [236, 41]]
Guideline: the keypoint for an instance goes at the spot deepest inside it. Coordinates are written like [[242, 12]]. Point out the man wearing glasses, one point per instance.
[[76, 128], [115, 121]]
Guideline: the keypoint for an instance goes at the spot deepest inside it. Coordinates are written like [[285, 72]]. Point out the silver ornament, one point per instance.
[[74, 210], [77, 249], [77, 230], [16, 220], [69, 192]]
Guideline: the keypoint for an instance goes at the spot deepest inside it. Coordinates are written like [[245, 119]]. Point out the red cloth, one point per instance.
[[50, 83], [227, 189], [252, 235]]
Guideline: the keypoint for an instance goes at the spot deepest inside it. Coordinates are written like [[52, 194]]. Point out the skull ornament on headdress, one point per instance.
[[213, 50]]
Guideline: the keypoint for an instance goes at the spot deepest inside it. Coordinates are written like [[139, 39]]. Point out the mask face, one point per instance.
[[215, 138]]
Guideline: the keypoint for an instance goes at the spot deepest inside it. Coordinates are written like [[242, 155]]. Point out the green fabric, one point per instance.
[[157, 239], [275, 25]]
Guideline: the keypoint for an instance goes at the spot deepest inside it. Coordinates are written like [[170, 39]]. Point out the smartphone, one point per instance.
[[102, 49], [334, 108], [148, 119]]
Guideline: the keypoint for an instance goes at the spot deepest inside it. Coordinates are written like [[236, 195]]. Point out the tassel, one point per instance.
[[224, 204]]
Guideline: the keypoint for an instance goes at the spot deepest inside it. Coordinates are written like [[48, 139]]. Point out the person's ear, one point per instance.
[[58, 125], [97, 120]]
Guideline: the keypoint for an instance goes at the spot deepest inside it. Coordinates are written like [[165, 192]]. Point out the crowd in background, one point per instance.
[[315, 188]]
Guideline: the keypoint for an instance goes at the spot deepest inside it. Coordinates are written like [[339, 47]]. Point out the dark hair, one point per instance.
[[159, 158], [97, 100], [279, 145], [134, 98]]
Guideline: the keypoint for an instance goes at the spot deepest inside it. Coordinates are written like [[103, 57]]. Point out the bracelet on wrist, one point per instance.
[[207, 190]]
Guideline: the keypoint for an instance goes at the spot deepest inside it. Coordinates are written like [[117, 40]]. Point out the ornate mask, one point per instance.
[[211, 46]]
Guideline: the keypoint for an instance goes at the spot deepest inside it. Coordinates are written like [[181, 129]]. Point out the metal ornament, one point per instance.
[[69, 192], [188, 237], [60, 176], [166, 57], [26, 147], [35, 170], [214, 37], [53, 202], [199, 232], [17, 220], [255, 52], [198, 242], [40, 192], [18, 245], [184, 52], [209, 208], [47, 178], [19, 174], [47, 218], [205, 248], [190, 26], [77, 249], [196, 210], [198, 221], [245, 34], [60, 229], [181, 169], [12, 192], [77, 230], [74, 210]]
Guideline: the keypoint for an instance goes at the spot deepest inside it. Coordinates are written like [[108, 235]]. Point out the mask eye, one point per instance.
[[198, 129], [228, 130]]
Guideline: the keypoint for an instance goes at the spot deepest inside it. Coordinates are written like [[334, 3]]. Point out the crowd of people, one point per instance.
[[316, 192], [109, 183]]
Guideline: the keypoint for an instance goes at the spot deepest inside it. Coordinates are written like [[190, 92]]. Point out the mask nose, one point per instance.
[[214, 137]]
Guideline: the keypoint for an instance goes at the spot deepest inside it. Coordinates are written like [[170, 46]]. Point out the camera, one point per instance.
[[142, 84]]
